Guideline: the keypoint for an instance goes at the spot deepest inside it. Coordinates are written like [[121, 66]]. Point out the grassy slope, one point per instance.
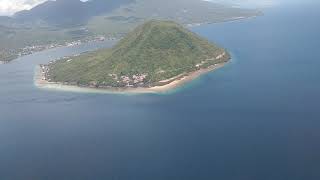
[[161, 49]]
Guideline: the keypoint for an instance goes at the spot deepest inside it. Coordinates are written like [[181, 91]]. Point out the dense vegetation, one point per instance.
[[154, 51]]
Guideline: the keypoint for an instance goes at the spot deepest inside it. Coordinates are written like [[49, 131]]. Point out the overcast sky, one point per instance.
[[8, 7]]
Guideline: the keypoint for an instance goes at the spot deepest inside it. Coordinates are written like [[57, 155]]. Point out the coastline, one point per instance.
[[176, 83], [239, 18]]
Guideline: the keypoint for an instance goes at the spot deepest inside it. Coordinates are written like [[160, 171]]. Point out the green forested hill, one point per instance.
[[154, 51]]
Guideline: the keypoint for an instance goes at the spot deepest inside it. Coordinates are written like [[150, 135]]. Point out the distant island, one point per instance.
[[51, 24], [156, 57]]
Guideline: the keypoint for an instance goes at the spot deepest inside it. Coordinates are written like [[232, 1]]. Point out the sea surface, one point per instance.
[[258, 118]]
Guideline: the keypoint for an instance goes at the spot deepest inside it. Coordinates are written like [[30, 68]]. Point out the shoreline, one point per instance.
[[57, 46], [179, 82], [234, 19]]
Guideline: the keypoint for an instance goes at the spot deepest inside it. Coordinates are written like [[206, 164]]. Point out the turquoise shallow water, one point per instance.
[[256, 119]]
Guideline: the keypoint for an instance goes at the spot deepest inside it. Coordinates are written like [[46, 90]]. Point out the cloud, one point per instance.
[[9, 7]]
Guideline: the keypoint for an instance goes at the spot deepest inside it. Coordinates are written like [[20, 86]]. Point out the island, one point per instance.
[[155, 57]]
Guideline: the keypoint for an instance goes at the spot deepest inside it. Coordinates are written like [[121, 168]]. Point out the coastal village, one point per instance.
[[8, 55], [134, 81], [32, 49], [137, 80], [122, 81]]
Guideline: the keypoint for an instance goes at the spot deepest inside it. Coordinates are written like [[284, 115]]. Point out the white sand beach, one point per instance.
[[175, 83]]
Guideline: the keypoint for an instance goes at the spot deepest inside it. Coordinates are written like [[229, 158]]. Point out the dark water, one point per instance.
[[256, 119]]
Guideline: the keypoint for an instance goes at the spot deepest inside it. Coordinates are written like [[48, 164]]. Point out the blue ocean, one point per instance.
[[257, 118]]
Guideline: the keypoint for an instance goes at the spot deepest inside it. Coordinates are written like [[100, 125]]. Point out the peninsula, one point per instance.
[[156, 57]]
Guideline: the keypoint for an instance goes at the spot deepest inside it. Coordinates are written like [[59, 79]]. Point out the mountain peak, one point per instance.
[[154, 52]]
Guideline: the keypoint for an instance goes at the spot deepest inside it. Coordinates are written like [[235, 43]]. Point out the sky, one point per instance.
[[9, 7]]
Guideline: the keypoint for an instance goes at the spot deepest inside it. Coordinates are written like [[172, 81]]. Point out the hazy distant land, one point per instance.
[[28, 32]]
